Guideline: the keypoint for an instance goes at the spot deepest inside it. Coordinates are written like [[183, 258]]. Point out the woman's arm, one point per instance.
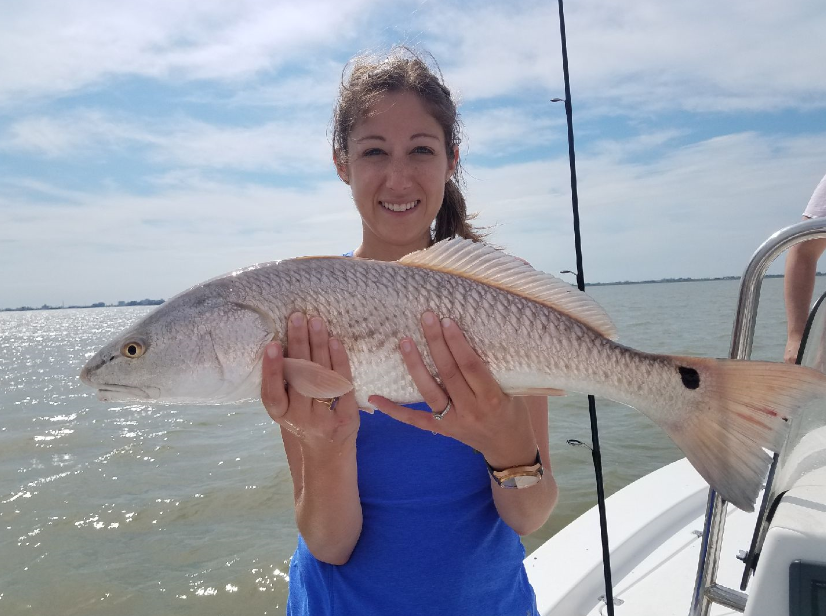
[[527, 509], [320, 443]]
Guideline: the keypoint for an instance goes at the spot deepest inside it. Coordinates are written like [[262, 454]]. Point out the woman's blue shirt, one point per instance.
[[431, 543]]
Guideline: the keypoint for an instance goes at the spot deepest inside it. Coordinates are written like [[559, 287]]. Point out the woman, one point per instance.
[[395, 518]]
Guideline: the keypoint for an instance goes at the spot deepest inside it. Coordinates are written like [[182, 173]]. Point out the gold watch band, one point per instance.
[[518, 476]]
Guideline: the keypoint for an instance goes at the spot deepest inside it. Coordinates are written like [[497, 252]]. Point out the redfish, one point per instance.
[[538, 335]]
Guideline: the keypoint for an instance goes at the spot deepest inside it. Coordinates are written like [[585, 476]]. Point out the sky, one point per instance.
[[148, 146]]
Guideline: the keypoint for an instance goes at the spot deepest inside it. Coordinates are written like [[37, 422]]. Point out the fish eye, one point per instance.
[[132, 349]]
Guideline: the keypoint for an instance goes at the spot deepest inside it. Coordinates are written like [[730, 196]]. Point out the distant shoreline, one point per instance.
[[668, 280], [142, 302], [158, 302]]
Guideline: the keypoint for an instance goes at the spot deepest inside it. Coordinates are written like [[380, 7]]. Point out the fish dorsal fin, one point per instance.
[[495, 268]]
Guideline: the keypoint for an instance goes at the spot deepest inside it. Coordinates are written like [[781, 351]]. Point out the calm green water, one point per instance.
[[137, 509]]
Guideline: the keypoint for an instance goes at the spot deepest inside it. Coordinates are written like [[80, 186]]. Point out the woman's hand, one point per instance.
[[313, 422], [319, 440], [507, 431], [481, 415]]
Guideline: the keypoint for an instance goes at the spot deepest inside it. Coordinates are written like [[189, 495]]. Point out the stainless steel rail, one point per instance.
[[706, 589]]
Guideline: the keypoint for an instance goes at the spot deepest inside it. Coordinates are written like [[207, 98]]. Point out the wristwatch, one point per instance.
[[518, 476]]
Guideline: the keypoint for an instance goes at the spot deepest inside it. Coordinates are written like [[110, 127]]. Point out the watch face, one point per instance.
[[521, 481]]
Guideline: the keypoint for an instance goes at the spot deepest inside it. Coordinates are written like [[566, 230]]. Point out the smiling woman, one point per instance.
[[395, 518]]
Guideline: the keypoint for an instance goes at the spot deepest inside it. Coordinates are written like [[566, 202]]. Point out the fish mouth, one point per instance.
[[113, 392], [86, 375]]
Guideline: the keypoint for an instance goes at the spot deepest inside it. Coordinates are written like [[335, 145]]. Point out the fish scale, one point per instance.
[[344, 291]]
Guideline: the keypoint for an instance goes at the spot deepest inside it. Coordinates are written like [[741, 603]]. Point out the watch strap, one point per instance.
[[518, 476]]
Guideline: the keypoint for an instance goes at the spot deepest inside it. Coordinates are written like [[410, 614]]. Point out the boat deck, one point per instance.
[[654, 552]]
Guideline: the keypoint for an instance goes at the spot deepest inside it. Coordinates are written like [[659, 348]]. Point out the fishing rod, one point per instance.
[[580, 281]]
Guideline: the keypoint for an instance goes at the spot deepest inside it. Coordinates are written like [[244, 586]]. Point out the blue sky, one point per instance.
[[147, 146]]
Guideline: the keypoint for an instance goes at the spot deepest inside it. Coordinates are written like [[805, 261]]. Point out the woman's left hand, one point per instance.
[[481, 415]]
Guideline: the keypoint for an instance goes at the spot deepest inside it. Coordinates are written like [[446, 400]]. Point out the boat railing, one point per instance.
[[706, 589]]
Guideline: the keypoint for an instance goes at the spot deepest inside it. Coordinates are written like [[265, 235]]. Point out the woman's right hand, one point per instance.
[[320, 442], [313, 423]]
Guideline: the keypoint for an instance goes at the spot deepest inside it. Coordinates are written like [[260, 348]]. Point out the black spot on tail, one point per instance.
[[691, 378]]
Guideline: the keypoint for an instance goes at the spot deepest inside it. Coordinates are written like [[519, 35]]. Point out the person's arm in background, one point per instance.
[[799, 282]]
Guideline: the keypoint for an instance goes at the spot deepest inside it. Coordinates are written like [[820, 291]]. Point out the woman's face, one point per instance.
[[397, 170]]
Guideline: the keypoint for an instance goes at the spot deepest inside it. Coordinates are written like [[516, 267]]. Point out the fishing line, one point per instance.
[[580, 281]]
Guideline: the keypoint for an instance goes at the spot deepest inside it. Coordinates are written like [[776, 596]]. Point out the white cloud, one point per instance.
[[105, 247], [297, 145], [50, 47], [316, 87], [628, 56], [71, 134], [502, 131], [699, 210], [644, 55], [636, 145]]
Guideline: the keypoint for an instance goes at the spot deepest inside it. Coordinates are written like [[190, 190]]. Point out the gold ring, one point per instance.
[[330, 403]]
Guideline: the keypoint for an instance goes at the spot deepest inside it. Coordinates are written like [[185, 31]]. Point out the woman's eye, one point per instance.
[[373, 152], [422, 149]]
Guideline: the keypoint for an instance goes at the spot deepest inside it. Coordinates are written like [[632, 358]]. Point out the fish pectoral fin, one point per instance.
[[539, 391], [313, 380]]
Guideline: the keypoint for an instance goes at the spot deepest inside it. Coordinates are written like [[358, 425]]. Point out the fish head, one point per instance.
[[195, 348]]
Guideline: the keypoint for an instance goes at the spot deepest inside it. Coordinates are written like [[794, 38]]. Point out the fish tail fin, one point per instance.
[[736, 409]]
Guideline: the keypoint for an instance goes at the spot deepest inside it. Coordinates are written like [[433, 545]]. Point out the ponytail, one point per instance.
[[453, 219]]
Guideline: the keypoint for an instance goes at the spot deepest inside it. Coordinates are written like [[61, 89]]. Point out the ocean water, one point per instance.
[[124, 509]]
